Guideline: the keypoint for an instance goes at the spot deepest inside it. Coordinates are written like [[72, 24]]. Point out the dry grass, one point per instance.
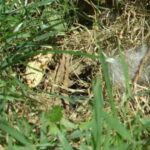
[[129, 29], [68, 78]]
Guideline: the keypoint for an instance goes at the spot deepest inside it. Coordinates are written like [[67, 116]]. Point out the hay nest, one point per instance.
[[73, 75]]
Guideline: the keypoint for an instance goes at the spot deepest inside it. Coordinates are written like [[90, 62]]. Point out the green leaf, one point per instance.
[[145, 122], [57, 22], [45, 36], [55, 114], [68, 124]]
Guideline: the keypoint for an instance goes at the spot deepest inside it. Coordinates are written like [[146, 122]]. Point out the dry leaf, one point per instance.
[[35, 69]]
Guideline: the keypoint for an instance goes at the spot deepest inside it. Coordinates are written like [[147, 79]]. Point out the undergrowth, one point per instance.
[[104, 119]]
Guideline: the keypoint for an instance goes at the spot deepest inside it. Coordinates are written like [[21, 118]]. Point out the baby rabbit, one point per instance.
[[134, 59]]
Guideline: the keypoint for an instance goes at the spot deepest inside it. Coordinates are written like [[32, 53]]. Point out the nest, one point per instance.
[[73, 75], [127, 30]]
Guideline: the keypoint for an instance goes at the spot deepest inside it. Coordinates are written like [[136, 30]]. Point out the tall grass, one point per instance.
[[24, 27]]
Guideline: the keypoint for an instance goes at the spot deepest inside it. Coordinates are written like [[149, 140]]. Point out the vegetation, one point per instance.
[[74, 105]]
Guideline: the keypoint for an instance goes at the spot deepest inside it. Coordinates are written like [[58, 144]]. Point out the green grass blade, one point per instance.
[[108, 82], [115, 124], [64, 142], [13, 132], [98, 118], [9, 61]]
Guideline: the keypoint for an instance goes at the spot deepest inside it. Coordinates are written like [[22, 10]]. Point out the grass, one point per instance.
[[42, 119]]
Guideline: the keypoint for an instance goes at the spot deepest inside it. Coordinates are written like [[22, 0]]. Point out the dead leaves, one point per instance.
[[35, 69]]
